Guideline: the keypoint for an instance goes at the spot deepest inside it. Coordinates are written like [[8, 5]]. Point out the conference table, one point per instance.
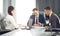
[[37, 31]]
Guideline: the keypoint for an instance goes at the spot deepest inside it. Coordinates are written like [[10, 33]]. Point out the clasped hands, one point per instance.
[[38, 24]]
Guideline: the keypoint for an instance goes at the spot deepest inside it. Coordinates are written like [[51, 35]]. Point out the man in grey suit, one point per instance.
[[51, 18]]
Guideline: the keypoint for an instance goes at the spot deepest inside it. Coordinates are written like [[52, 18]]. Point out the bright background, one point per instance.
[[1, 6], [24, 10]]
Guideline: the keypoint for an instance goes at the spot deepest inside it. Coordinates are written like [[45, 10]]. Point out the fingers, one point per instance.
[[46, 27]]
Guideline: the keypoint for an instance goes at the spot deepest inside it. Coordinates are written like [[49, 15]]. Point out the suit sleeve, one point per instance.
[[57, 21], [41, 19]]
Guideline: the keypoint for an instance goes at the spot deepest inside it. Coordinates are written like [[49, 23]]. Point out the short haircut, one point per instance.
[[35, 9], [10, 8], [47, 8]]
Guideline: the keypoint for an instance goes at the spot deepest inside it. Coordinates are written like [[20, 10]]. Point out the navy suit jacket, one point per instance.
[[41, 19]]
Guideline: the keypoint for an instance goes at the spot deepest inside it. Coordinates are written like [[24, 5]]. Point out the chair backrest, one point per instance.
[[2, 26]]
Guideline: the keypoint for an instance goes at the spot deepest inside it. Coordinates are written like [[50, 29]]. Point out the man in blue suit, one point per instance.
[[36, 19]]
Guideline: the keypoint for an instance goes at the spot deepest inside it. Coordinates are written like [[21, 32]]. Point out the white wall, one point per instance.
[[24, 10], [1, 6], [6, 3]]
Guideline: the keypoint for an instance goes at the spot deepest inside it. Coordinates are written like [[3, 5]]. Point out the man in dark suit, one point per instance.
[[51, 18], [36, 19]]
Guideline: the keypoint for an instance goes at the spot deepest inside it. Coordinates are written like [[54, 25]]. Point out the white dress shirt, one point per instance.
[[37, 19]]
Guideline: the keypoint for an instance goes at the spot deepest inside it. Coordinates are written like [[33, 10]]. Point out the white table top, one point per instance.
[[32, 32]]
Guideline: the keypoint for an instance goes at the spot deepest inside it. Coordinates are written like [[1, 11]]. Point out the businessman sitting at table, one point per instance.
[[36, 19], [51, 18]]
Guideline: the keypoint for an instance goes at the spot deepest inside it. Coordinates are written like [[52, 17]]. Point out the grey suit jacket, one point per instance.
[[54, 20]]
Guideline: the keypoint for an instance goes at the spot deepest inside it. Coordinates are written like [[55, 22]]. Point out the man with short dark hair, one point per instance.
[[51, 18], [36, 19]]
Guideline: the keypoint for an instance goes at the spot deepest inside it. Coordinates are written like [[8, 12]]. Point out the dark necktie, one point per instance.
[[47, 17]]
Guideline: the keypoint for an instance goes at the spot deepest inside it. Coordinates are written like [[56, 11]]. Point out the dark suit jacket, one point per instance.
[[41, 19], [54, 20]]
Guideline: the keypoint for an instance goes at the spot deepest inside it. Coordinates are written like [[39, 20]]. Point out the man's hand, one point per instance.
[[36, 24], [39, 24], [47, 27]]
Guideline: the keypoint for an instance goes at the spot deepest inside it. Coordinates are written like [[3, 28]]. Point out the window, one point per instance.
[[24, 10]]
